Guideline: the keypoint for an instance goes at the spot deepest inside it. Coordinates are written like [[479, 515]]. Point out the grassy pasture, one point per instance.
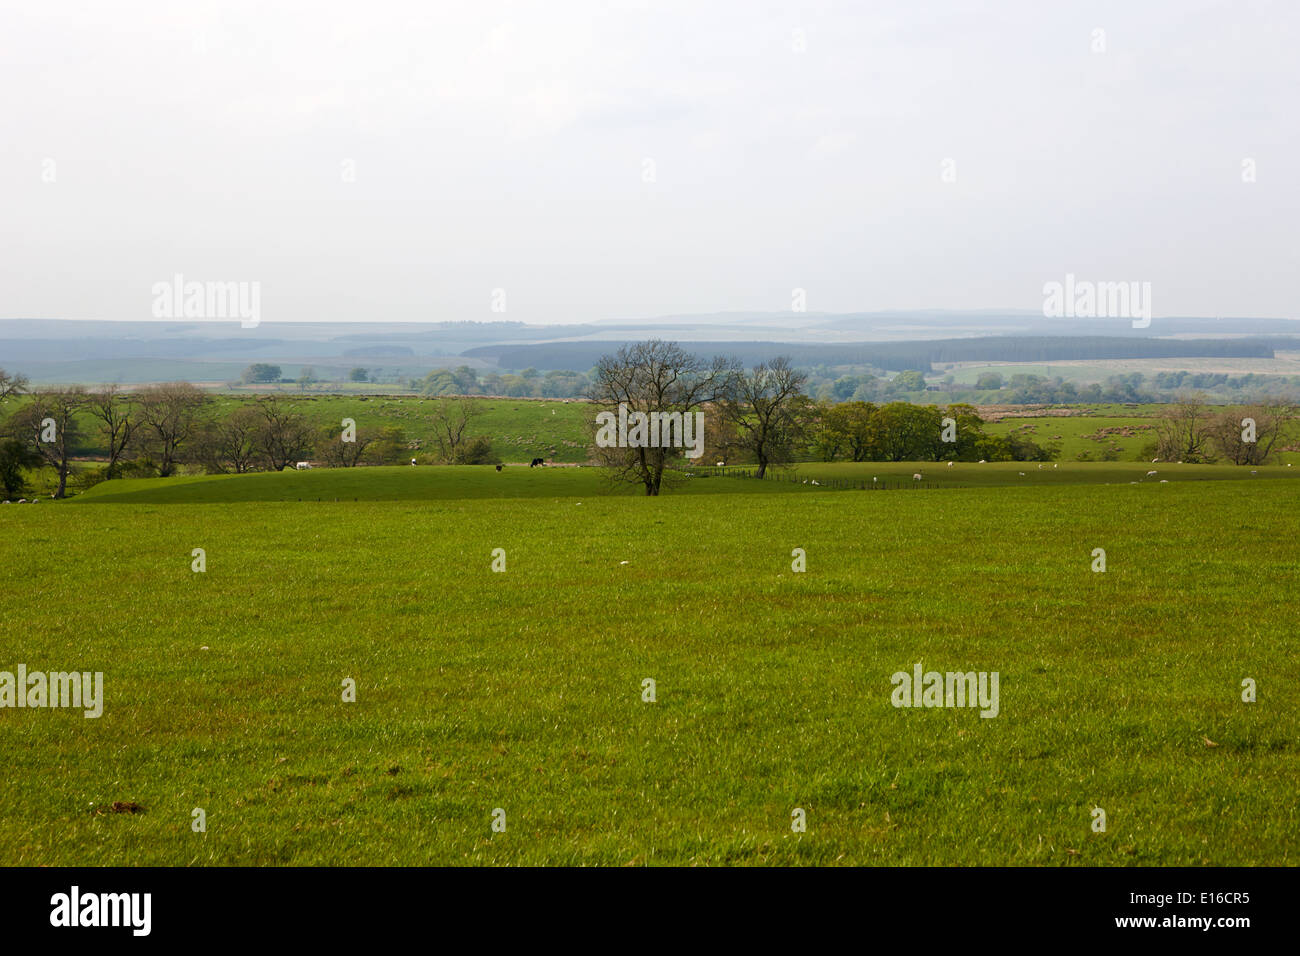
[[522, 690], [403, 483]]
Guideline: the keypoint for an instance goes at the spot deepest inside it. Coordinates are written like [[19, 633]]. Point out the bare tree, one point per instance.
[[48, 425], [762, 407], [450, 418], [117, 419], [231, 444], [1183, 431], [661, 379], [14, 384], [169, 416], [345, 454], [284, 435], [1248, 435]]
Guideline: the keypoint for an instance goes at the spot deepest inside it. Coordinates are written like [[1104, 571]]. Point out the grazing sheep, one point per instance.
[[302, 465], [949, 464], [1164, 481], [1254, 473], [1150, 473], [1040, 467], [983, 462], [722, 464], [916, 477], [1053, 464], [1022, 474], [412, 462], [816, 482]]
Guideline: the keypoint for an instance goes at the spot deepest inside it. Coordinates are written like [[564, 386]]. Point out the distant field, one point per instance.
[[522, 690], [1087, 371], [520, 429]]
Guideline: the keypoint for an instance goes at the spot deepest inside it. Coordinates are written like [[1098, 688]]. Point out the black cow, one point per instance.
[[536, 462], [499, 467]]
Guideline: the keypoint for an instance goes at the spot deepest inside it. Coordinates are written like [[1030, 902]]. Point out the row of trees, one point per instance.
[[762, 414], [1194, 432], [900, 431], [157, 429]]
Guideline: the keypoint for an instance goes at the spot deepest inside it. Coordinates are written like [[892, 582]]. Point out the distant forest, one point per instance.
[[897, 356]]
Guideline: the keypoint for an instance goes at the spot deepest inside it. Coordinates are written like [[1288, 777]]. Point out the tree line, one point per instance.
[[156, 430]]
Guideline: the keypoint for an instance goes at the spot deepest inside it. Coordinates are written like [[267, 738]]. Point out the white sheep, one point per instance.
[[917, 476], [1150, 473], [1022, 474], [816, 482], [949, 464]]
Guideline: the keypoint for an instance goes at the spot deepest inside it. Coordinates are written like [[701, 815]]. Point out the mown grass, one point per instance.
[[522, 690]]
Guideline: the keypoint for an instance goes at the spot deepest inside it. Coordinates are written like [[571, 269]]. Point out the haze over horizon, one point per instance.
[[635, 161]]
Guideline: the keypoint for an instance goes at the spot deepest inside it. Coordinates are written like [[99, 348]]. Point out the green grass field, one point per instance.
[[522, 690]]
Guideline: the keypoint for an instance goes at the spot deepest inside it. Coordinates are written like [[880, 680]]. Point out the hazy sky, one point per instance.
[[500, 145]]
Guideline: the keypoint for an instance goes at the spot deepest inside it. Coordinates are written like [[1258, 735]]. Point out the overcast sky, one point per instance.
[[496, 145]]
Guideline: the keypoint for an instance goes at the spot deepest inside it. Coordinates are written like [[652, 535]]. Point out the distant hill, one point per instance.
[[51, 350]]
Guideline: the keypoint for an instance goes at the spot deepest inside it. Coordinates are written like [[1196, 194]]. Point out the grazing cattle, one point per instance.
[[499, 467], [303, 465], [536, 462]]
